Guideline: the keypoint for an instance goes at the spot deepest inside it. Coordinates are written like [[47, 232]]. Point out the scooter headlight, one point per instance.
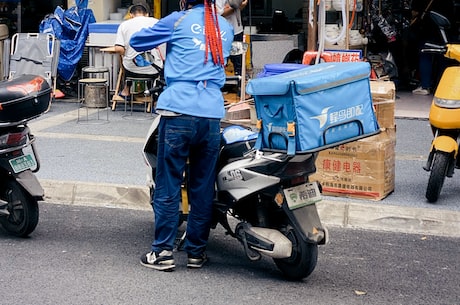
[[447, 103]]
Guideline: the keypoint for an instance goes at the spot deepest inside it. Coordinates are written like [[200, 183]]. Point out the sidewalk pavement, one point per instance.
[[124, 137]]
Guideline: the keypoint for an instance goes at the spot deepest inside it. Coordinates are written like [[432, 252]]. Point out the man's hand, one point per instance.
[[232, 5]]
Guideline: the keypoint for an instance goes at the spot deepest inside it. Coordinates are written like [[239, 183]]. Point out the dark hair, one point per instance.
[[138, 8], [193, 2]]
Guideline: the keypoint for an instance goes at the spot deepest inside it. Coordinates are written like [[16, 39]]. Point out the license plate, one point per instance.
[[22, 163], [302, 195]]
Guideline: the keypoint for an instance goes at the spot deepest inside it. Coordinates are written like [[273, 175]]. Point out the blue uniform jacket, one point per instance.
[[193, 87]]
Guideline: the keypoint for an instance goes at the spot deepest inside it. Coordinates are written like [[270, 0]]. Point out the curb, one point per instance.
[[349, 214]]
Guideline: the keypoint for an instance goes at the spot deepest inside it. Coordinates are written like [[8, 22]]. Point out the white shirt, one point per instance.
[[126, 29], [234, 18]]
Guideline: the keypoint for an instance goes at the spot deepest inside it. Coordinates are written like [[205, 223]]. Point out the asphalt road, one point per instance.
[[90, 255]]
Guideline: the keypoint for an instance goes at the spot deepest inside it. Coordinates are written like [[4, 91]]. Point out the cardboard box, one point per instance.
[[360, 169], [383, 97]]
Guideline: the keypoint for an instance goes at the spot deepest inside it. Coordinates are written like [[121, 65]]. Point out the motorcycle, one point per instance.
[[21, 100], [268, 194], [444, 116]]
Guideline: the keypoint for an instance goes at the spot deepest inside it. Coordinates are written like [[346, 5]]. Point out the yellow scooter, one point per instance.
[[444, 116]]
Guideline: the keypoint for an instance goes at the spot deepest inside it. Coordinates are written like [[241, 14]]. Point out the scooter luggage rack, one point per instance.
[[17, 123], [322, 147], [30, 141]]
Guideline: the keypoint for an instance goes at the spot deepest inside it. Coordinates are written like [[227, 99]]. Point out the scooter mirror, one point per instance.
[[442, 22]]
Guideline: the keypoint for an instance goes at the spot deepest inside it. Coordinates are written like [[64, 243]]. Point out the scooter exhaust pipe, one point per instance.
[[266, 241]]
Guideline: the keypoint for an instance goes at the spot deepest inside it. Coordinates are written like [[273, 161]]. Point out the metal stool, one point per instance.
[[136, 91], [96, 72], [93, 93]]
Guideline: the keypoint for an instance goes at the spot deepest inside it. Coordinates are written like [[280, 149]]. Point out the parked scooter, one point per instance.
[[21, 100], [267, 194], [444, 116]]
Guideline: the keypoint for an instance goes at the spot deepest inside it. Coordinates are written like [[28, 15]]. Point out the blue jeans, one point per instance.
[[197, 140], [426, 70], [237, 60]]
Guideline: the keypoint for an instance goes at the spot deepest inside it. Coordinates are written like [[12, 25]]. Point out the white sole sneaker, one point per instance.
[[421, 91], [158, 262]]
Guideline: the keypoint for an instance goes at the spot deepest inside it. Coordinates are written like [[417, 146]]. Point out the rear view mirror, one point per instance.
[[442, 22]]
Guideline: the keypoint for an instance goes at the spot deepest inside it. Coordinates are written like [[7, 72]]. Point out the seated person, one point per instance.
[[133, 63]]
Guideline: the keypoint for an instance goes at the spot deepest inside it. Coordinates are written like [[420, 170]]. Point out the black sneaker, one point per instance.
[[197, 261], [163, 261]]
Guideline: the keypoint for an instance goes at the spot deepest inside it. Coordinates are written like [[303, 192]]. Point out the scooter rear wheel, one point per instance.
[[437, 176], [22, 208], [303, 259]]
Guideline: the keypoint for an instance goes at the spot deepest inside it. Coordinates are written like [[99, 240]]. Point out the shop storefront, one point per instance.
[[273, 32], [274, 27]]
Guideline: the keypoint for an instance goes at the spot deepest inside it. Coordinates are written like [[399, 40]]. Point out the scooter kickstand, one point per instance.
[[179, 242]]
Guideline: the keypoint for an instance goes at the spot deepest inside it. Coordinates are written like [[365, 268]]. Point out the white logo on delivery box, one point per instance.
[[338, 116]]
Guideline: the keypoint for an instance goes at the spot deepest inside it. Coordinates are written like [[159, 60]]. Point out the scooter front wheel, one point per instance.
[[437, 176], [303, 259], [22, 209]]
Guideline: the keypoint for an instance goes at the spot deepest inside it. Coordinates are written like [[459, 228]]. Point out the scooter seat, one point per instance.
[[234, 151], [235, 142]]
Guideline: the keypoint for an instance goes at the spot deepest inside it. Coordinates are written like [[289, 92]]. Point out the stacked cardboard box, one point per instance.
[[364, 168], [383, 98], [359, 169]]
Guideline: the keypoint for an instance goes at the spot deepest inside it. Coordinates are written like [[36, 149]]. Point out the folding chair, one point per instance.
[[33, 53]]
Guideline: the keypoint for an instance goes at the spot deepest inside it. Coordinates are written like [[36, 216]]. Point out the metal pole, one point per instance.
[[19, 14], [312, 24]]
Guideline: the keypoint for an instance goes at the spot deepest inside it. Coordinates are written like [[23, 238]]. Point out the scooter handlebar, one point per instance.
[[434, 48], [158, 88]]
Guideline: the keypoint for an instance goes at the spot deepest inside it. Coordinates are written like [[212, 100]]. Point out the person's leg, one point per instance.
[[425, 71], [426, 62], [173, 148], [173, 140], [237, 59], [201, 182]]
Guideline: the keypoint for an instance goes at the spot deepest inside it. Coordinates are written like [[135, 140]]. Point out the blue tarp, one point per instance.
[[71, 28]]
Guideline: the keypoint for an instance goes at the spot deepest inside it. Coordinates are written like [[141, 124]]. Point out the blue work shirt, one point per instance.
[[193, 86]]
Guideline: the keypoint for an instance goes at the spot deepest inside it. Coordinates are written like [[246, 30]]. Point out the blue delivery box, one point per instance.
[[313, 108]]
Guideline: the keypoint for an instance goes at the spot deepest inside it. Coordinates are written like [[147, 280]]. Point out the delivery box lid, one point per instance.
[[108, 26], [310, 79]]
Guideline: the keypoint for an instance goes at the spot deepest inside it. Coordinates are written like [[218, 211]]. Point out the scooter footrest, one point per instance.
[[4, 211]]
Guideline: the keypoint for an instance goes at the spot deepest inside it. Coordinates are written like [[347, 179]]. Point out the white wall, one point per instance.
[[101, 8]]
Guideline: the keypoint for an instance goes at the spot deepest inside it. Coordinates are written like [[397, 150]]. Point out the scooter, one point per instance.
[[268, 195], [21, 100], [444, 116]]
